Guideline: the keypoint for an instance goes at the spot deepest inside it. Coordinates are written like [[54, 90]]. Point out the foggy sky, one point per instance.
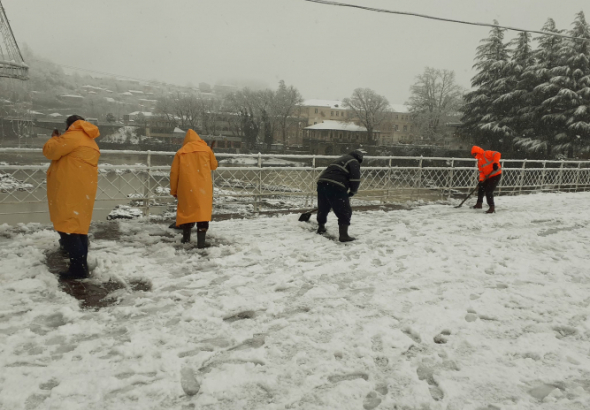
[[326, 52]]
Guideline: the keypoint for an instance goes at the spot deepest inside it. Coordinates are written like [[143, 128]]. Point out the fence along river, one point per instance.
[[247, 184]]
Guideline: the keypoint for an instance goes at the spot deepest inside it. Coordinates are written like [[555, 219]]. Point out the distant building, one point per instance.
[[335, 137]]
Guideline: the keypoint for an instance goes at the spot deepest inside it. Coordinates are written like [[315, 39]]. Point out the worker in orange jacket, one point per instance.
[[192, 185], [72, 180], [490, 173]]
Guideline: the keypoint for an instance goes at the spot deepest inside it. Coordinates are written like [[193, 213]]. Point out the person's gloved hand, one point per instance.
[[480, 184], [351, 194], [495, 166]]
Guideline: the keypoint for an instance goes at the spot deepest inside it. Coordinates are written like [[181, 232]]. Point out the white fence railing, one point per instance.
[[247, 183]]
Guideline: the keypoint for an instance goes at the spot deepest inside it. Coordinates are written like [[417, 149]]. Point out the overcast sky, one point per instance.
[[325, 51]]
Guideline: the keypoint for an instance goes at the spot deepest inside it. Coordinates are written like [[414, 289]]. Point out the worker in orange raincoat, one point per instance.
[[490, 173], [72, 180], [191, 184]]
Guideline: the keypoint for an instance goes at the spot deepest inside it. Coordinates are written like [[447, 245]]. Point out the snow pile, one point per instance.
[[8, 184], [124, 135], [433, 308], [266, 162], [124, 212]]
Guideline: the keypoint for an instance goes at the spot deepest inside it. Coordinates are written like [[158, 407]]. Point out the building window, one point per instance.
[[331, 113], [405, 127], [337, 114], [316, 110]]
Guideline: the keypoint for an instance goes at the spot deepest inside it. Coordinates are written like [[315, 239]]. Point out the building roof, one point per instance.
[[71, 96], [338, 126], [145, 113], [55, 114], [399, 108], [323, 103]]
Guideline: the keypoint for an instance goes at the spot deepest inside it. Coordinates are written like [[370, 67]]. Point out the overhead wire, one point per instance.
[[406, 13]]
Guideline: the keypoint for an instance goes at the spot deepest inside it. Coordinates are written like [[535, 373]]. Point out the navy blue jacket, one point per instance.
[[345, 172]]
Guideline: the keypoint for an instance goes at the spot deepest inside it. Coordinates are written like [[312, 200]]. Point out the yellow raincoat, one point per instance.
[[72, 177], [190, 180]]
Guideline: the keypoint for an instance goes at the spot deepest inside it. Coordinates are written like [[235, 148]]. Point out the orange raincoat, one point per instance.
[[486, 161], [190, 180], [72, 178]]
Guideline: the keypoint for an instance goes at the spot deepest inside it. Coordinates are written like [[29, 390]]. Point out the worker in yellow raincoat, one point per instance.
[[72, 180], [192, 185]]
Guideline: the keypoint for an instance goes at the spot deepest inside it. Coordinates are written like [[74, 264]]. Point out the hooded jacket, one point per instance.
[[190, 180], [486, 161], [345, 172], [72, 177]]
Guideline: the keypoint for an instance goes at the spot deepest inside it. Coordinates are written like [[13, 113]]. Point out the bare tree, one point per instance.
[[369, 107], [242, 115], [287, 100], [435, 98]]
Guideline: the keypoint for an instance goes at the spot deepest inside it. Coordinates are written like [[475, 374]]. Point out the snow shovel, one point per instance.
[[467, 197], [306, 215]]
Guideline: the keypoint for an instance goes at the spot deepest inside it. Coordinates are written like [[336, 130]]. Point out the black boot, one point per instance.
[[201, 234], [491, 210], [186, 234], [478, 205], [344, 234], [322, 229]]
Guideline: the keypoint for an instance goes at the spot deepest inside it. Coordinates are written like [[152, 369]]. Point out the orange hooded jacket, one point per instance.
[[190, 180], [72, 177], [486, 161]]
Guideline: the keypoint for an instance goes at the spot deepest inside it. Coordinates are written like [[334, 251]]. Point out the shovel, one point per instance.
[[304, 217], [467, 197]]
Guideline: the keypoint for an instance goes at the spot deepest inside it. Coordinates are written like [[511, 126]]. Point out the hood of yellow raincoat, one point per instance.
[[89, 129], [193, 143], [476, 150]]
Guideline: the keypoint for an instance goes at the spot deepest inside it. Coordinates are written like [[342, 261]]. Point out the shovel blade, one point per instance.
[[305, 217]]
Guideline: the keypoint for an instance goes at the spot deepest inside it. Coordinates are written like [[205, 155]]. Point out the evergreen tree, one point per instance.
[[482, 119], [539, 134], [568, 108], [514, 103]]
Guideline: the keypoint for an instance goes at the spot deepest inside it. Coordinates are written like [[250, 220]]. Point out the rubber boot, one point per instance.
[[344, 234], [186, 234], [491, 210], [478, 205], [201, 234], [322, 229]]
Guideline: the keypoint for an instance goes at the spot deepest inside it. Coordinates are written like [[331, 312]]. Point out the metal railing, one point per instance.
[[246, 183]]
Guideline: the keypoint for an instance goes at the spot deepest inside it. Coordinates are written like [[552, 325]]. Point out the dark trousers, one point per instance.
[[76, 245], [200, 226], [332, 197], [487, 188]]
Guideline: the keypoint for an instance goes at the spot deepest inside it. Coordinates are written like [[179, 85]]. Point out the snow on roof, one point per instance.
[[126, 93], [109, 99], [71, 96], [92, 87], [136, 92], [399, 108], [55, 114], [323, 103], [337, 125], [145, 113], [178, 131]]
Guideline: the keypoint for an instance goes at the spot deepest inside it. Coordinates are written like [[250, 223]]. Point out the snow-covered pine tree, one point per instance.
[[515, 102], [569, 106], [481, 119], [547, 56]]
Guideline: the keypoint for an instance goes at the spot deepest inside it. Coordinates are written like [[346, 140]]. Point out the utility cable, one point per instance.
[[405, 13]]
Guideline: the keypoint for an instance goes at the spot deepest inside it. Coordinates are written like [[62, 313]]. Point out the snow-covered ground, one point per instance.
[[431, 308]]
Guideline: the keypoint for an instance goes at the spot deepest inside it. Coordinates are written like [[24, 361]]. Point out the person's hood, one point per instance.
[[477, 150], [192, 143], [358, 154], [87, 128]]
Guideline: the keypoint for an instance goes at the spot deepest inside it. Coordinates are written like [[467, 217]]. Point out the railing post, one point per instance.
[[522, 175], [560, 176], [312, 182], [147, 192], [578, 176], [257, 197], [543, 175], [500, 183], [389, 182], [451, 176], [420, 173]]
